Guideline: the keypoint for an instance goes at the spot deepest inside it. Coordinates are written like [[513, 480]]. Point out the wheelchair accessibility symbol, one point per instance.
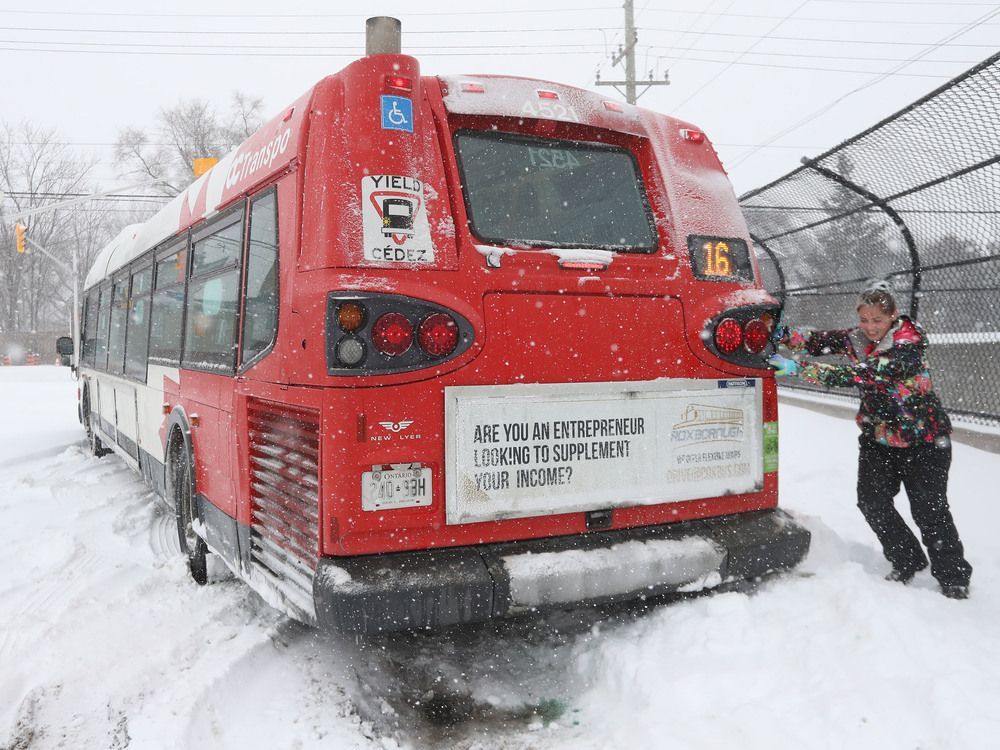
[[397, 113]]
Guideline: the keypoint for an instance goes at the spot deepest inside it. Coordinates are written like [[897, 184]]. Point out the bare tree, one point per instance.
[[188, 130], [245, 117], [35, 171]]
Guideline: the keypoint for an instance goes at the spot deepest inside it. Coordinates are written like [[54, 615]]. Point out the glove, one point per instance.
[[779, 334], [783, 366]]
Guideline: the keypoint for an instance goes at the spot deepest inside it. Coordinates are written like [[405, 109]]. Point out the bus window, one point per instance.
[[138, 324], [554, 193], [213, 300], [90, 327], [168, 309], [260, 315], [119, 311], [103, 325]]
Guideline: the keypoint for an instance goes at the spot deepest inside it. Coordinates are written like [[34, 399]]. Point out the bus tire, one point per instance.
[[96, 446], [180, 486]]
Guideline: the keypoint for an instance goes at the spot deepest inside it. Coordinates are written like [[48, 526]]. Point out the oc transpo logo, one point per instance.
[[702, 423]]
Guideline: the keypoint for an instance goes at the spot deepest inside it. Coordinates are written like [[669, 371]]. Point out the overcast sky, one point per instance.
[[770, 81]]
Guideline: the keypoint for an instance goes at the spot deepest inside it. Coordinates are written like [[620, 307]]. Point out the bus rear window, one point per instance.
[[553, 193]]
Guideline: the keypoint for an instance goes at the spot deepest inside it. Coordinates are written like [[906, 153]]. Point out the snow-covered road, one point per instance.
[[106, 643]]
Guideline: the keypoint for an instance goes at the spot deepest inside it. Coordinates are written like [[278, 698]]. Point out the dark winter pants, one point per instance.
[[923, 471]]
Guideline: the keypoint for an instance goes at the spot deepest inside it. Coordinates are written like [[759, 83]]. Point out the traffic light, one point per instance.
[[19, 230]]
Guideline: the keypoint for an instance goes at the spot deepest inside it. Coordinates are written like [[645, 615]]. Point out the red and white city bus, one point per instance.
[[434, 350]]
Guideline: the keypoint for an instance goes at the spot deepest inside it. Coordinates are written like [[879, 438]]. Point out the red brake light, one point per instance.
[[542, 94], [728, 335], [694, 136], [470, 87], [756, 334], [438, 335], [392, 334], [402, 83]]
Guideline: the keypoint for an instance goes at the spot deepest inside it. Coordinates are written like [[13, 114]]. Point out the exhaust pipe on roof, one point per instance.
[[383, 36]]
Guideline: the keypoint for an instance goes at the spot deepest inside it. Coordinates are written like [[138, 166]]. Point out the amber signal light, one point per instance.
[[350, 316]]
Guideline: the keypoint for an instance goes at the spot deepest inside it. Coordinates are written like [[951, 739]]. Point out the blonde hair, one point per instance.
[[878, 294]]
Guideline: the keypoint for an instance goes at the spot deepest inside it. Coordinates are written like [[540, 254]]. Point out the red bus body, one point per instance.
[[472, 510]]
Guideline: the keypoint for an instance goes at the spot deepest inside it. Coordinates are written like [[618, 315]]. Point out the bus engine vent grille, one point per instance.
[[284, 498]]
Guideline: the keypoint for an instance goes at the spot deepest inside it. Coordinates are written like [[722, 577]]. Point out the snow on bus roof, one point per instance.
[[531, 97], [135, 239]]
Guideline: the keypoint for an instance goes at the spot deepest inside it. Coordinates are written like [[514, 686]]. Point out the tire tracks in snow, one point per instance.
[[41, 603]]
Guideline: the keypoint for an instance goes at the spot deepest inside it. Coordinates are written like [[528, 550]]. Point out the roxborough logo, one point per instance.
[[702, 423]]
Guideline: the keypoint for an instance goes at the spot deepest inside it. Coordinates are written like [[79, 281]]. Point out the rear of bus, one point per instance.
[[543, 362]]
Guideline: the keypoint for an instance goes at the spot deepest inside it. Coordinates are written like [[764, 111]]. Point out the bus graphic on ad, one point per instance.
[[405, 380]]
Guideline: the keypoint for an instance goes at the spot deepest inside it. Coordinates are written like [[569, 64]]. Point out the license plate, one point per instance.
[[396, 488]]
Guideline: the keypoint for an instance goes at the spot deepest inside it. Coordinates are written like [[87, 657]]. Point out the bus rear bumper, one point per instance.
[[438, 588]]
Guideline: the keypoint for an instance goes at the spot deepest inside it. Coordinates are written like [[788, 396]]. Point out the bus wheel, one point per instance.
[[192, 545], [96, 446]]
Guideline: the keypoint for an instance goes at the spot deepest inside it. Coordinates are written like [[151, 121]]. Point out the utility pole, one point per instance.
[[627, 53]]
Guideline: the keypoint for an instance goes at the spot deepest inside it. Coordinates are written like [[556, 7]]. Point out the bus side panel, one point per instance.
[[278, 433], [162, 389], [207, 399], [127, 424], [106, 406]]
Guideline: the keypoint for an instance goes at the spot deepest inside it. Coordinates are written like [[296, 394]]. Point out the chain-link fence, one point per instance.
[[914, 200]]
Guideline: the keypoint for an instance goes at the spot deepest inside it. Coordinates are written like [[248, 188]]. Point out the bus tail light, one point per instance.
[[350, 316], [742, 335], [438, 335], [392, 334], [756, 334], [728, 335], [350, 351], [369, 333]]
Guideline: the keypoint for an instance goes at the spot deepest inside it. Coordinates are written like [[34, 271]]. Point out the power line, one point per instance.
[[818, 19], [841, 58], [273, 33], [878, 79], [63, 196], [701, 33], [311, 16], [766, 35], [809, 68], [880, 42], [294, 32], [424, 51]]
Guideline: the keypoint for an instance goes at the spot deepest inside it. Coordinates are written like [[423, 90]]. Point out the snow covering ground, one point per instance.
[[106, 643]]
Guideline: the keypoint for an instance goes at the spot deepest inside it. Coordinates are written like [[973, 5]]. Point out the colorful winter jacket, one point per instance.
[[898, 405]]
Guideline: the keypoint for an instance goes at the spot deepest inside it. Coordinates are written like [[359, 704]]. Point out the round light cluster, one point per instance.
[[729, 335], [392, 334]]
